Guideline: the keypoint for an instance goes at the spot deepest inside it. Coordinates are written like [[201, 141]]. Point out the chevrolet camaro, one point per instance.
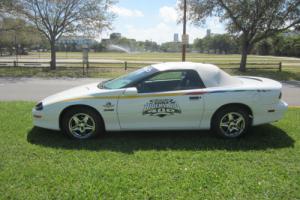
[[166, 96]]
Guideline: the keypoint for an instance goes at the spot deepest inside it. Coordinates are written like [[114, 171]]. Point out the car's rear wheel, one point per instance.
[[82, 123], [231, 122]]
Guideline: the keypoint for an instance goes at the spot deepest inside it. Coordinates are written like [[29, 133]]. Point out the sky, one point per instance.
[[155, 20]]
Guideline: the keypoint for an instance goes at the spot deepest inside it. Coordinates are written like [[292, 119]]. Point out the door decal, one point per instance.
[[109, 107], [161, 107]]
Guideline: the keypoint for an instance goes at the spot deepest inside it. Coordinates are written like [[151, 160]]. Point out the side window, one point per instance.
[[167, 76], [171, 81], [191, 80]]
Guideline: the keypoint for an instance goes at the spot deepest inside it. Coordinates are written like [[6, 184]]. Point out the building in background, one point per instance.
[[176, 37], [208, 33], [77, 40], [115, 36], [292, 33]]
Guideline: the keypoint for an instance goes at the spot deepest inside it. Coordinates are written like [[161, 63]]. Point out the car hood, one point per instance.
[[77, 93]]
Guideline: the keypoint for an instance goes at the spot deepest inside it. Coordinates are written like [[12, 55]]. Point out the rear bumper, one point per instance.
[[282, 106], [270, 113]]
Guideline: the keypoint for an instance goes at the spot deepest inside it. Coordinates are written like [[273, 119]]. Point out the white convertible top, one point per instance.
[[211, 75]]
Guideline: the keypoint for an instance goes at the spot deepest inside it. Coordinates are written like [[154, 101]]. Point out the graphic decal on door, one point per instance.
[[109, 107], [161, 107]]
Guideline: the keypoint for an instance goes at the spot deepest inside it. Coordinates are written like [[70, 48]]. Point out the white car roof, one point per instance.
[[211, 75]]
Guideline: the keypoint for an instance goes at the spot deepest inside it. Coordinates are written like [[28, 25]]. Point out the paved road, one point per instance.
[[291, 92], [35, 89]]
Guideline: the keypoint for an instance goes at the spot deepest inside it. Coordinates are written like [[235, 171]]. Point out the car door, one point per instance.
[[168, 100]]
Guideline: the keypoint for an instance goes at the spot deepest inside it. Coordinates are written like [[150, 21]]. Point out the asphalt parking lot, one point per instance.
[[35, 89]]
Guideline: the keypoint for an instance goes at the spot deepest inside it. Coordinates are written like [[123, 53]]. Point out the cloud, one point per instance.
[[162, 32], [124, 12], [159, 33], [165, 28], [215, 25], [168, 14]]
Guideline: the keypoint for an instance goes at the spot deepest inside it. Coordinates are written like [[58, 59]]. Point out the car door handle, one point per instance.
[[195, 98]]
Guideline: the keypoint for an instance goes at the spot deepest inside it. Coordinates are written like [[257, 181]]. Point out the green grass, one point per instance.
[[291, 66], [273, 74], [43, 164], [115, 72], [165, 57]]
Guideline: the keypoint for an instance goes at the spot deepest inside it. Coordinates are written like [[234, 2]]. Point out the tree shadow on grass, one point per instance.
[[259, 138]]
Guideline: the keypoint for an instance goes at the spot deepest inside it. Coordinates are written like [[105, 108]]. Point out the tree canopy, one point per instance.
[[251, 20], [24, 36], [221, 43], [54, 18]]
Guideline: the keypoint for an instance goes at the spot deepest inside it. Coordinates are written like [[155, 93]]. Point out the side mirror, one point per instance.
[[130, 91]]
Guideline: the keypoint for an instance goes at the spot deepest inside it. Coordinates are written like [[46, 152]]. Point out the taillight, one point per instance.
[[280, 95]]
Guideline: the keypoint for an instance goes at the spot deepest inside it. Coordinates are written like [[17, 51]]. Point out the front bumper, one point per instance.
[[45, 120]]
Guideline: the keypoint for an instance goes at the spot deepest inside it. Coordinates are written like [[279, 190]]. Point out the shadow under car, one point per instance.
[[258, 138]]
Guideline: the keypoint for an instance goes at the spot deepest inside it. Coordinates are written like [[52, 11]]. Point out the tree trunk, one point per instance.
[[245, 51], [53, 56]]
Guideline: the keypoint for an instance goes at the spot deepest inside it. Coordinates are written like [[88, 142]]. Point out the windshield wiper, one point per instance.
[[101, 85]]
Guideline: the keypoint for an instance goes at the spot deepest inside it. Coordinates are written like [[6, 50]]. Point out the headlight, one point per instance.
[[39, 106]]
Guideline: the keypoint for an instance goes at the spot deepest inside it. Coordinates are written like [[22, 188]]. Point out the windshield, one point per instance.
[[127, 79]]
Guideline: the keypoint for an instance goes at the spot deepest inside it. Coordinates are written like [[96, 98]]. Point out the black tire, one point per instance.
[[231, 122], [85, 122]]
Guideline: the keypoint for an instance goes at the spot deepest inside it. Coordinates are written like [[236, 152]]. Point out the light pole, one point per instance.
[[16, 49], [66, 50], [19, 48], [39, 51], [184, 32], [85, 58]]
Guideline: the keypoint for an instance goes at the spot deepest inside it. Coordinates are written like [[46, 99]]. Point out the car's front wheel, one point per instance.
[[82, 123], [231, 122]]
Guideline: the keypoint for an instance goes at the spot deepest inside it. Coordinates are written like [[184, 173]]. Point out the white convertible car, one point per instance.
[[167, 96]]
